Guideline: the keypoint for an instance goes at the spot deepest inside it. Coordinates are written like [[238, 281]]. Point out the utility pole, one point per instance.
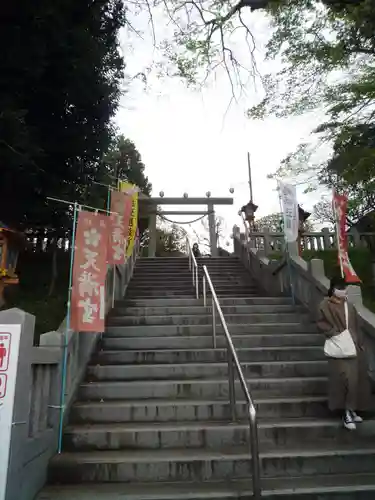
[[250, 182]]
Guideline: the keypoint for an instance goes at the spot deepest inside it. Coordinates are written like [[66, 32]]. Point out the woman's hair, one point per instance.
[[336, 282]]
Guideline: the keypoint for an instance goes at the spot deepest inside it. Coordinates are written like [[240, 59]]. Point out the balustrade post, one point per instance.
[[267, 241], [356, 237], [326, 238]]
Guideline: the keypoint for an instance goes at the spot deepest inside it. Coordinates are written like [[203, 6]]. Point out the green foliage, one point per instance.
[[361, 260], [170, 241], [275, 223], [62, 74], [122, 161], [204, 39], [328, 63], [32, 294]]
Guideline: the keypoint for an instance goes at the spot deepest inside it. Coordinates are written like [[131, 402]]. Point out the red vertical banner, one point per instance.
[[89, 273], [116, 253], [120, 216], [340, 206]]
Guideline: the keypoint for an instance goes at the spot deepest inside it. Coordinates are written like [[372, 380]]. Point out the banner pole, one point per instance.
[[109, 200], [287, 256], [114, 286], [67, 328]]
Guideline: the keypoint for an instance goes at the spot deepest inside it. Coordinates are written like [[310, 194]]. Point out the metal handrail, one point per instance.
[[193, 266], [233, 360]]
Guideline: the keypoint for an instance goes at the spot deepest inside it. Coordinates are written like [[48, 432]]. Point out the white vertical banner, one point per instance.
[[288, 197], [9, 351]]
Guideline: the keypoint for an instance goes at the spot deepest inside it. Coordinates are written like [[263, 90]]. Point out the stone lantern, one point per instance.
[[302, 218], [249, 211]]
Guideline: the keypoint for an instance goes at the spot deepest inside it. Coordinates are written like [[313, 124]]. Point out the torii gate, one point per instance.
[[148, 209]]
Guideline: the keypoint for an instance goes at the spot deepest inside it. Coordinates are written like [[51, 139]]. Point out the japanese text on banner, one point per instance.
[[89, 272], [120, 208], [288, 198], [340, 205], [131, 189]]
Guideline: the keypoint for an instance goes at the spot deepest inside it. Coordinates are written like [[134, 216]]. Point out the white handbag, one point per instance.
[[341, 346]]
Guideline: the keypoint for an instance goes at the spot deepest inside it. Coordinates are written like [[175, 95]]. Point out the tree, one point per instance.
[[275, 222], [122, 161], [203, 239], [208, 33], [170, 241], [328, 57], [323, 213], [62, 87]]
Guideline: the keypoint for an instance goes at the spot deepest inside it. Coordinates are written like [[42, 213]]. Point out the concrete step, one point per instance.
[[211, 435], [158, 266], [187, 310], [234, 269], [189, 292], [159, 272], [199, 389], [174, 295], [181, 289], [166, 293], [173, 410], [186, 302], [187, 276], [324, 487], [206, 318], [187, 284], [195, 371], [111, 342], [208, 465], [195, 330], [306, 353]]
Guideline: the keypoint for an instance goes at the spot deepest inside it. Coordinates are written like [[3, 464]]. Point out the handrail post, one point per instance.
[[254, 453], [196, 282], [232, 388], [204, 291], [213, 323]]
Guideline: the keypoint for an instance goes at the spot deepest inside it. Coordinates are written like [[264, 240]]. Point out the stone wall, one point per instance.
[[305, 282], [35, 428], [269, 242]]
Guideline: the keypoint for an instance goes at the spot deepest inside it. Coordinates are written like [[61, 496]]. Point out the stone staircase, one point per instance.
[[152, 419]]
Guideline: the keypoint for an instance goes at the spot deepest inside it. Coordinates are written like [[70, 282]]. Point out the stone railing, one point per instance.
[[306, 281], [270, 242], [35, 426]]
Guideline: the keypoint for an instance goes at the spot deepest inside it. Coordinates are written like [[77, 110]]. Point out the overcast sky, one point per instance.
[[190, 144]]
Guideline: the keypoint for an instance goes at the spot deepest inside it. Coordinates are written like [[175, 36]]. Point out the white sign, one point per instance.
[[289, 204], [9, 350]]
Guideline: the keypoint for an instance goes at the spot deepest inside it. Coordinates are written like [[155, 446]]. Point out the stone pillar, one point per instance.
[[152, 232], [292, 247], [266, 241], [356, 237], [212, 229], [326, 238]]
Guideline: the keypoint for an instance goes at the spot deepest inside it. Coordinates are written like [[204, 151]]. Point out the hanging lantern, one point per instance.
[[10, 244]]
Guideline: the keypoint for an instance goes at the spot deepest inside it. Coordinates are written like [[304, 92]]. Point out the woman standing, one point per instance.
[[349, 388]]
